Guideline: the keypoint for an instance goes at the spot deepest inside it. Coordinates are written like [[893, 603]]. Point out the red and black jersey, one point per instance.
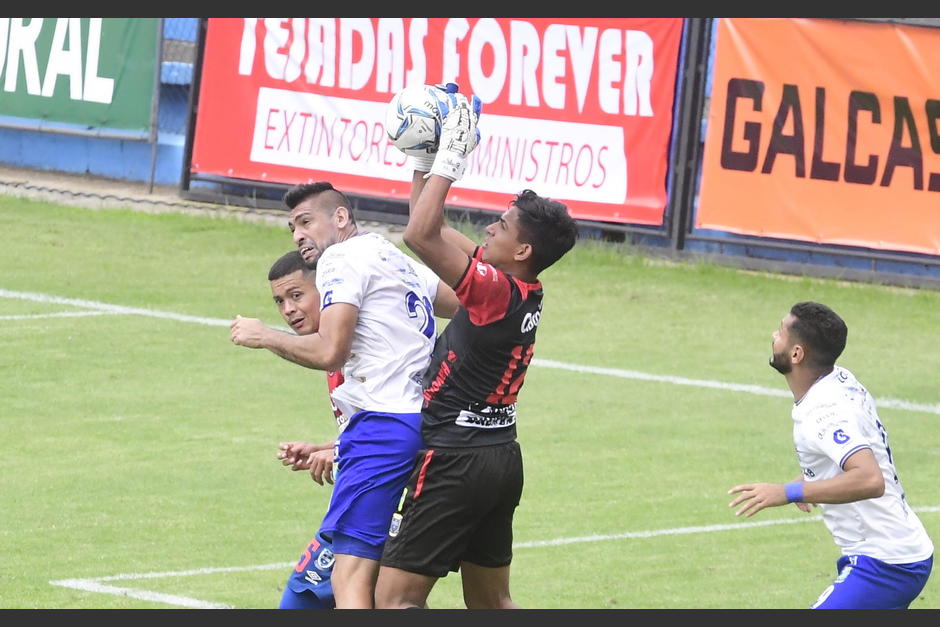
[[480, 360], [334, 379]]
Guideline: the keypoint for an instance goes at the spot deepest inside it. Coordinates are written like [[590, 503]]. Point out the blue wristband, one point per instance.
[[794, 491]]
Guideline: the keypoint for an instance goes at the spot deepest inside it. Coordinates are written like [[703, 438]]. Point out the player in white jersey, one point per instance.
[[377, 325], [847, 469]]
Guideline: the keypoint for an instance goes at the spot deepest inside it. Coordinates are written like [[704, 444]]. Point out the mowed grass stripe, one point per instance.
[[893, 403]]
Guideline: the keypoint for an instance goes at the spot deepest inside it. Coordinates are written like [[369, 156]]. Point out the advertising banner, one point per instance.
[[825, 131], [577, 109], [96, 72]]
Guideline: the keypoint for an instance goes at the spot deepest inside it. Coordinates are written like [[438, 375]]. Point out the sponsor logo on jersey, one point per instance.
[[313, 577], [484, 268], [341, 419], [839, 437], [488, 417], [530, 321]]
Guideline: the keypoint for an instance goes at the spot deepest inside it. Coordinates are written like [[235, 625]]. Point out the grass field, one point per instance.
[[138, 449]]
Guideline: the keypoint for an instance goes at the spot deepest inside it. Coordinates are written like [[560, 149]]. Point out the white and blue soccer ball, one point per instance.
[[413, 121]]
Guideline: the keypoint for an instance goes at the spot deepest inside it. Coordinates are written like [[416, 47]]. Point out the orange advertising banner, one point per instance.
[[577, 109], [825, 131]]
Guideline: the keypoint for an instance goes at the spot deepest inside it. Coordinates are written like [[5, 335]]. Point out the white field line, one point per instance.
[[60, 314], [95, 584], [892, 403]]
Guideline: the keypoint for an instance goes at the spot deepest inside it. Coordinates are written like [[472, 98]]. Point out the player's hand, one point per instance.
[[295, 454], [753, 497], [249, 332], [320, 464], [443, 95], [460, 133], [476, 107], [459, 136], [446, 100]]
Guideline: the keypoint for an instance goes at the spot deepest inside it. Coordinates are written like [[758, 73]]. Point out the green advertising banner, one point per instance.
[[89, 71]]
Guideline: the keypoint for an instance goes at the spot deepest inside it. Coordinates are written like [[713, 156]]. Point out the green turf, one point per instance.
[[136, 444]]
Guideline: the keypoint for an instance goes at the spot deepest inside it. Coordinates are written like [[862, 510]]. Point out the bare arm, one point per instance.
[[860, 480], [443, 249], [446, 301], [327, 349], [449, 233]]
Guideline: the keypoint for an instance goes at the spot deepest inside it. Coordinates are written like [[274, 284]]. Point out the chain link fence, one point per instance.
[[180, 37]]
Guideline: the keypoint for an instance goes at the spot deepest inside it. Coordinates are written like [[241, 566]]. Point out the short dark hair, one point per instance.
[[547, 226], [289, 263], [332, 197], [821, 329]]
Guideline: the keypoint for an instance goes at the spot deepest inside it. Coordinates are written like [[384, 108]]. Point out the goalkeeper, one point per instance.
[[457, 511]]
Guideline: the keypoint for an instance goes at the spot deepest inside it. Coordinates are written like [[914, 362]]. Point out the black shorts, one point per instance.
[[458, 506]]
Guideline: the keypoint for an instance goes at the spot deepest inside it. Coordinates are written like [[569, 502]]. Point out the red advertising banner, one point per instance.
[[825, 131], [577, 109]]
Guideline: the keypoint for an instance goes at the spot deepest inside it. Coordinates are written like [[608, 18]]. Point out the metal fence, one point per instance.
[[178, 57]]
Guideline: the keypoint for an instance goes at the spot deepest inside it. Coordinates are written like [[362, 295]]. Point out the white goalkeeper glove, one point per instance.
[[459, 136], [443, 95]]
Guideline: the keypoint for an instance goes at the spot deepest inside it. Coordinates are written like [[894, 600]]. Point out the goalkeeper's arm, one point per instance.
[[449, 233]]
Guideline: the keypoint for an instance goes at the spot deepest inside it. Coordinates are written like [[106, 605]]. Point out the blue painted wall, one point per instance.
[[115, 158]]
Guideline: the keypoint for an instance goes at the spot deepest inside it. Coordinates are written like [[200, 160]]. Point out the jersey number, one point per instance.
[[420, 309], [509, 384], [884, 438]]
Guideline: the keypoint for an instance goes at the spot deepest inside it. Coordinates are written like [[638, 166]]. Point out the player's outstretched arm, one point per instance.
[[424, 235], [443, 249], [450, 234]]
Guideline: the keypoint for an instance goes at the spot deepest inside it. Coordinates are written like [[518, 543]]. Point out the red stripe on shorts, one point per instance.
[[421, 474]]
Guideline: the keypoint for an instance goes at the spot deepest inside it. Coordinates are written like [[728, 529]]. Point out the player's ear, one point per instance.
[[797, 354], [523, 252], [341, 216]]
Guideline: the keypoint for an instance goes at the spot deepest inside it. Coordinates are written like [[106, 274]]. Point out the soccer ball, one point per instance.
[[413, 121]]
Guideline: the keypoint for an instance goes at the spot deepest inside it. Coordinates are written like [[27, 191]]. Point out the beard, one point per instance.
[[780, 363]]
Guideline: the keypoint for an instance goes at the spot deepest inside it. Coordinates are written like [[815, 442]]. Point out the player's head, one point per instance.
[[812, 335], [320, 215], [535, 231], [294, 288]]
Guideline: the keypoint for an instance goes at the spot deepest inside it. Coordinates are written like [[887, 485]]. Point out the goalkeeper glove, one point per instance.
[[443, 96], [459, 136]]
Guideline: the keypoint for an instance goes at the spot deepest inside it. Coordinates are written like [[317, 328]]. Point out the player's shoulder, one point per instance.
[[358, 248], [371, 238], [828, 402]]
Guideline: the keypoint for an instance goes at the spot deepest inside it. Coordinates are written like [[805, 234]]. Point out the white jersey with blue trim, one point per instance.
[[395, 332], [833, 420]]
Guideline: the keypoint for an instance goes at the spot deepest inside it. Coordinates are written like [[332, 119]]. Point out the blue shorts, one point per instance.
[[373, 459], [867, 583], [309, 585]]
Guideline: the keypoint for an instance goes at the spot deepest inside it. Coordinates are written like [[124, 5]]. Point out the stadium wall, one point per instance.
[[64, 148]]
